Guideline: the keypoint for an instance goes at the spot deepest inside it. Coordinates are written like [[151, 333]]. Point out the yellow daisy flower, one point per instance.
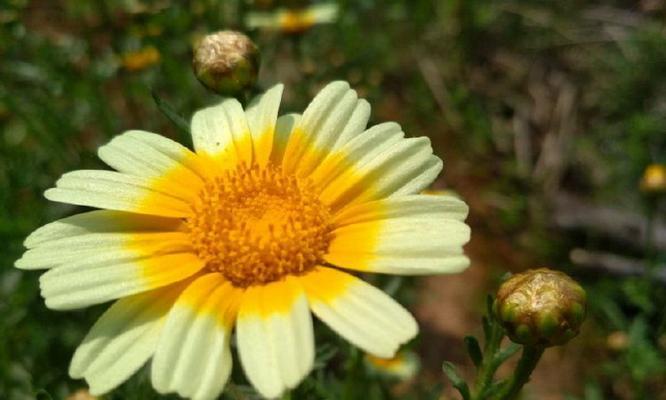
[[293, 20], [654, 179], [404, 365], [140, 59], [246, 233]]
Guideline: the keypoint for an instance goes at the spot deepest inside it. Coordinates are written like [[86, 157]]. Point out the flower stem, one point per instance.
[[649, 238], [488, 366], [526, 364]]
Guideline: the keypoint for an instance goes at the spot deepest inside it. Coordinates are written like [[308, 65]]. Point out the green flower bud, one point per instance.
[[540, 307], [226, 62]]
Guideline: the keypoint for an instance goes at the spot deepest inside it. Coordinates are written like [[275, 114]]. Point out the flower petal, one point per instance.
[[358, 151], [99, 221], [284, 126], [320, 127], [275, 338], [406, 167], [147, 154], [356, 123], [417, 234], [88, 282], [116, 191], [359, 312], [103, 248], [424, 205], [122, 340], [222, 131], [262, 113], [176, 169], [193, 357]]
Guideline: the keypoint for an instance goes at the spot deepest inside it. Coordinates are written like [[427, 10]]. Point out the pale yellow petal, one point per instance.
[[221, 132], [359, 312], [274, 334], [417, 234], [123, 339], [262, 114], [193, 357]]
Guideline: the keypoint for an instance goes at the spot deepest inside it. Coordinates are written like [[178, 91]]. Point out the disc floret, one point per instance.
[[255, 225]]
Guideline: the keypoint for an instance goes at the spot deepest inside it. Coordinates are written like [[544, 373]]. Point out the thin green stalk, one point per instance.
[[528, 361], [352, 372], [649, 238], [489, 365]]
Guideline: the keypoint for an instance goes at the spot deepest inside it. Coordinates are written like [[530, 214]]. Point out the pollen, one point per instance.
[[256, 225]]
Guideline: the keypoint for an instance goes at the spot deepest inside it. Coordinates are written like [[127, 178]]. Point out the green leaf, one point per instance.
[[458, 383], [488, 321], [492, 388], [490, 300], [42, 394], [643, 357], [487, 328], [474, 350], [170, 112], [325, 353], [593, 391], [506, 353]]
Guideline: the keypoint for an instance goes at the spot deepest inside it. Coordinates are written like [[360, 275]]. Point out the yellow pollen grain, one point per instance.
[[256, 225]]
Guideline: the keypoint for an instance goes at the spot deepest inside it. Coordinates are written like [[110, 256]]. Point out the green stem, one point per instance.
[[528, 361], [489, 365], [649, 238], [351, 371]]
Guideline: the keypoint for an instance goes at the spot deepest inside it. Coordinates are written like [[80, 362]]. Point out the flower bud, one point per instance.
[[226, 62], [540, 307], [654, 179]]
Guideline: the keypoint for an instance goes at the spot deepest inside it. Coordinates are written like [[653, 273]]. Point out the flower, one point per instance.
[[654, 179], [248, 232], [617, 341], [541, 307], [293, 20], [140, 59], [404, 365]]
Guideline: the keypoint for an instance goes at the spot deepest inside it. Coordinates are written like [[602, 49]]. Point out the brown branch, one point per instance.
[[614, 264], [621, 225]]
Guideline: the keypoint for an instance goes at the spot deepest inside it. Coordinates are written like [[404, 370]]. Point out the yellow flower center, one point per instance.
[[296, 21], [256, 225]]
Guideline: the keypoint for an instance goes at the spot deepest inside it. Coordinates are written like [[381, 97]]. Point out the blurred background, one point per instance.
[[546, 114]]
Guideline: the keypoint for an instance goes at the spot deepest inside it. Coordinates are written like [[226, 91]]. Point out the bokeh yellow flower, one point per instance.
[[654, 179], [293, 20], [404, 365], [140, 59], [617, 341], [247, 233]]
